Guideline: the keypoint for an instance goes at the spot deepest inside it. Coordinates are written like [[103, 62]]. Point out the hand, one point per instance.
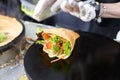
[[86, 10], [56, 5], [83, 10], [43, 5]]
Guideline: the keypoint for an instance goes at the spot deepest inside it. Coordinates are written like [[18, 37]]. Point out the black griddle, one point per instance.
[[94, 57]]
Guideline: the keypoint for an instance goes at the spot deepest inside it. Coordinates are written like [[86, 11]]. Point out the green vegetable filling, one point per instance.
[[55, 39], [2, 37], [67, 48], [40, 42], [55, 48], [39, 30], [66, 45]]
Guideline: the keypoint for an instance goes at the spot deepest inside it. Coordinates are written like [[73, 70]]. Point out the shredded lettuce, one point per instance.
[[2, 37], [55, 48], [55, 39], [67, 48], [39, 30], [66, 45], [40, 42]]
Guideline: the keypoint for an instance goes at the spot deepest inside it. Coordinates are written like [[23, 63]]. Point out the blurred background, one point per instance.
[[13, 8], [12, 68], [11, 60]]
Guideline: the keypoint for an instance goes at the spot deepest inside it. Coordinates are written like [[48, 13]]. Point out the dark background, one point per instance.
[[12, 8]]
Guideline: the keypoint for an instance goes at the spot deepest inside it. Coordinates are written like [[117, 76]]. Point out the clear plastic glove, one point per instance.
[[86, 10], [56, 6], [43, 6]]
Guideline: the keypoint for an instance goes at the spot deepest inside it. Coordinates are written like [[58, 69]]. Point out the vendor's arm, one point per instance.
[[110, 10]]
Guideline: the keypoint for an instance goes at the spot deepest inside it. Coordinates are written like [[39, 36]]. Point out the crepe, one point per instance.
[[66, 36], [11, 26]]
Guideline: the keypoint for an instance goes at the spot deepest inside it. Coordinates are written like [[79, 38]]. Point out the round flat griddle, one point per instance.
[[94, 57], [15, 30]]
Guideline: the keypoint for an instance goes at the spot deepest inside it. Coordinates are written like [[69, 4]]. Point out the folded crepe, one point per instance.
[[57, 42]]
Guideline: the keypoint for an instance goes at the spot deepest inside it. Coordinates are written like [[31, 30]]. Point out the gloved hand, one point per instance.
[[43, 5], [85, 10]]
